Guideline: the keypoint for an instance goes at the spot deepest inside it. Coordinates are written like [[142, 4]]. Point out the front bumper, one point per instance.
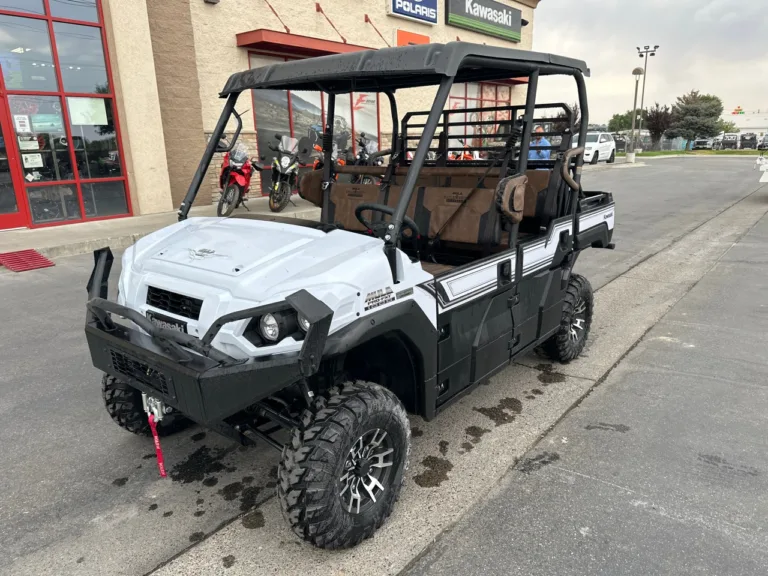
[[186, 372]]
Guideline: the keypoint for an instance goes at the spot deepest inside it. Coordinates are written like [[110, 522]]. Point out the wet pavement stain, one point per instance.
[[723, 465], [467, 446], [248, 498], [443, 447], [199, 513], [212, 481], [547, 375], [152, 507], [201, 463], [537, 392], [435, 474], [231, 491], [167, 514], [609, 427], [148, 456], [228, 561], [270, 484], [247, 480], [538, 462], [81, 560], [272, 473], [196, 536], [200, 501], [119, 481], [530, 397], [475, 433], [253, 520], [500, 413], [197, 437], [416, 432]]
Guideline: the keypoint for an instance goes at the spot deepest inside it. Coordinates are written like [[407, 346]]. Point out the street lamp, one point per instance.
[[648, 51], [637, 72]]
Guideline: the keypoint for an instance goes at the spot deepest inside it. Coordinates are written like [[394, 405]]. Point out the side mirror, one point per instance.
[[262, 158], [222, 145]]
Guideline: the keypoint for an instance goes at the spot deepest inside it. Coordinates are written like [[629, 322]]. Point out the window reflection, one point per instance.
[[366, 119], [31, 6], [25, 54], [81, 58], [84, 10], [104, 199], [39, 127], [53, 203], [93, 133]]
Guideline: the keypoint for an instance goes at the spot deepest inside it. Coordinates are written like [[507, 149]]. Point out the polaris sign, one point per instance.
[[424, 11], [485, 16]]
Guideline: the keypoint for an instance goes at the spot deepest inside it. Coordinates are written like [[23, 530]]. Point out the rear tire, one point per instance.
[[341, 473], [279, 199], [612, 159], [230, 198], [569, 341], [123, 403]]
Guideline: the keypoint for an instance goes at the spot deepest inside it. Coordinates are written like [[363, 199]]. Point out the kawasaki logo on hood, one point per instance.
[[485, 16]]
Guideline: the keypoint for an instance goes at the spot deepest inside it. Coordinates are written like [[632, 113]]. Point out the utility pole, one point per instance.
[[648, 51], [637, 72]]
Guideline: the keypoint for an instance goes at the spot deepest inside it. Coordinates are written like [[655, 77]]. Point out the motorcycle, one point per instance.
[[234, 179], [285, 169], [367, 156]]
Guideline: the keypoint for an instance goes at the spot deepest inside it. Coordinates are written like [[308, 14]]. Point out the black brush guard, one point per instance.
[[186, 372]]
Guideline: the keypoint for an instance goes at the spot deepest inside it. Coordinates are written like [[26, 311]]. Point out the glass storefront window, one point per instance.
[[342, 123], [8, 203], [81, 58], [366, 119], [93, 133], [53, 203], [104, 199], [39, 127], [25, 54], [31, 6], [84, 10], [306, 111]]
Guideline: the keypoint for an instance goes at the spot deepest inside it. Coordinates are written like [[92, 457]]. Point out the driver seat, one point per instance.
[[345, 198]]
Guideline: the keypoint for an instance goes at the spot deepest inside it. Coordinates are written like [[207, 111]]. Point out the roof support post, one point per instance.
[[330, 112], [530, 111], [583, 128]]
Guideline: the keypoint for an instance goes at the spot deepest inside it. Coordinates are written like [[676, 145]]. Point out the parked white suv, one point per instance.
[[599, 146]]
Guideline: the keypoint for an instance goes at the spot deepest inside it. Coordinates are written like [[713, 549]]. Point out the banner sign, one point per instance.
[[485, 16], [424, 11]]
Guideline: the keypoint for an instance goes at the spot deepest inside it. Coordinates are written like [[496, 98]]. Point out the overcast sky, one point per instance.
[[715, 46]]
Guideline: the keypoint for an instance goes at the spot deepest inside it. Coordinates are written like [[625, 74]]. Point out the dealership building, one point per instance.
[[106, 105]]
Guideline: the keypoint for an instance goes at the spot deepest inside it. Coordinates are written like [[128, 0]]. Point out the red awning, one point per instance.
[[294, 44]]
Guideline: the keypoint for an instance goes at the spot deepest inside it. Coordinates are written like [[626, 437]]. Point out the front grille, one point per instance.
[[142, 372], [175, 303]]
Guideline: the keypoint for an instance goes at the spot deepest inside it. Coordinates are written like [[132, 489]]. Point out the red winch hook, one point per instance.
[[158, 450]]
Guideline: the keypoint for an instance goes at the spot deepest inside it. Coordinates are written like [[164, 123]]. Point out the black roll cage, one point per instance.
[[385, 71]]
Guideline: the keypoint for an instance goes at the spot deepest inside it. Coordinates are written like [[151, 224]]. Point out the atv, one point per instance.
[[405, 296]]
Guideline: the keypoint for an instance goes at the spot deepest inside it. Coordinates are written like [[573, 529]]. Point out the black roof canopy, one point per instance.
[[402, 67]]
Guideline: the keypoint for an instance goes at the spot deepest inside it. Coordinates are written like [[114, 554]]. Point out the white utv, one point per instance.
[[406, 295]]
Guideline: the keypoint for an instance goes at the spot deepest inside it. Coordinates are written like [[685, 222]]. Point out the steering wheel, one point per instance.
[[381, 228]]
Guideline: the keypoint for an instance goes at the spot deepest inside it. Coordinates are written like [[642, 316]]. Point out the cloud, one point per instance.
[[716, 46]]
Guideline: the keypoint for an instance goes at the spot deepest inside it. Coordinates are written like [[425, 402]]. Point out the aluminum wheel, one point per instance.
[[578, 320], [366, 471]]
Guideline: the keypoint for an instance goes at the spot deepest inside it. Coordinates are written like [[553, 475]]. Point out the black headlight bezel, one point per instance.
[[288, 326]]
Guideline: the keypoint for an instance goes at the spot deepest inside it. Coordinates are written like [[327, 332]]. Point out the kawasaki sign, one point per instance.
[[485, 16]]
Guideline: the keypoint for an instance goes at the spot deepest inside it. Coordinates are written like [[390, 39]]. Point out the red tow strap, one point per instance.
[[158, 450]]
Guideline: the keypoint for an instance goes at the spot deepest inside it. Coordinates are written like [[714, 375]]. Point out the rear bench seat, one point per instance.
[[438, 194]]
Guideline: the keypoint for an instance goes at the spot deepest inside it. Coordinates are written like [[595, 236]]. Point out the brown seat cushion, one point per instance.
[[434, 268], [311, 187], [538, 181], [345, 198]]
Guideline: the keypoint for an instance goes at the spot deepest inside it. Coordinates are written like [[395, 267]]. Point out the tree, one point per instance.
[[619, 122], [658, 120], [560, 123], [695, 115], [727, 126]]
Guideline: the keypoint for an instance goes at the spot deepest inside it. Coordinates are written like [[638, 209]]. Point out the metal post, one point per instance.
[[634, 115], [330, 114], [530, 110], [642, 98], [210, 150]]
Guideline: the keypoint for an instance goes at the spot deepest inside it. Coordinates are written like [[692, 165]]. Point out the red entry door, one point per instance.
[[13, 208]]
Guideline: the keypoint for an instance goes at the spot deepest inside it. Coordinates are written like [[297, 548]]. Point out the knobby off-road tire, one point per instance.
[[316, 465], [279, 200], [123, 403], [568, 342]]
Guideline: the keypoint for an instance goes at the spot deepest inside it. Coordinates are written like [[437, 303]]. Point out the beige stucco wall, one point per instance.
[[133, 70], [217, 54]]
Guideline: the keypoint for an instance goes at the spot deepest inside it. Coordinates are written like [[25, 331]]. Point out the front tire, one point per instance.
[[569, 341], [278, 199], [341, 473], [230, 198], [595, 158]]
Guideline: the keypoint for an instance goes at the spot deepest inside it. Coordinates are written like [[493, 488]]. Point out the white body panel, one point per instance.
[[235, 264]]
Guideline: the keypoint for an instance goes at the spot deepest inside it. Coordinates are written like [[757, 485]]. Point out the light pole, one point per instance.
[[637, 72], [645, 53]]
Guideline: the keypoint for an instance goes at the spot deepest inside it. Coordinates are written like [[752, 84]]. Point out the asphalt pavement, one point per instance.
[[79, 495], [663, 469]]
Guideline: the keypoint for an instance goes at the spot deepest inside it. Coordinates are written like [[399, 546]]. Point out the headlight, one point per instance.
[[269, 327], [285, 162], [303, 323]]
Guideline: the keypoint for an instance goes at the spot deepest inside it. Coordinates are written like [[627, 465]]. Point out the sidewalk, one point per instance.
[[81, 238]]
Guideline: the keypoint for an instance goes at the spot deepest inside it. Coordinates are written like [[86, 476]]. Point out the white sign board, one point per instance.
[[32, 160], [21, 121], [29, 144], [87, 111]]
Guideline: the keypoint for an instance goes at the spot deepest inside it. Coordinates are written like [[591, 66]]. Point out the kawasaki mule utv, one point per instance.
[[318, 337]]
